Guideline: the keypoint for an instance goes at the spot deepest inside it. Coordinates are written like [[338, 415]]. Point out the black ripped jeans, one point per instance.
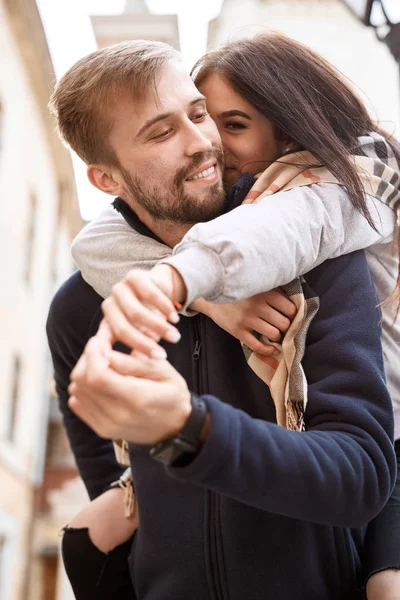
[[93, 574]]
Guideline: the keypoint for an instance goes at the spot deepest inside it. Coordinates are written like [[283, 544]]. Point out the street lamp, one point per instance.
[[383, 16]]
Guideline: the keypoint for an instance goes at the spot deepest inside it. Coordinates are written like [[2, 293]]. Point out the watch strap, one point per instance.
[[193, 427], [180, 449]]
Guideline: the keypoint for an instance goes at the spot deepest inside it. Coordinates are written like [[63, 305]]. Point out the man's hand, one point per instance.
[[141, 400], [268, 314]]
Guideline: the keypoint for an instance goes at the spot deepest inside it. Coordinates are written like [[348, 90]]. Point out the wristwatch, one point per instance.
[[180, 450]]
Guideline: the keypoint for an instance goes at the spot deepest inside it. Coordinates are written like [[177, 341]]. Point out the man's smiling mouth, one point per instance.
[[209, 171]]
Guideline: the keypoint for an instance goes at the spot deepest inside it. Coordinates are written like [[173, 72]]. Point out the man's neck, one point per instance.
[[170, 232]]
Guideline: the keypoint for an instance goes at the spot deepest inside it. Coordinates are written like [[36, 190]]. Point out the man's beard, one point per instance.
[[168, 201]]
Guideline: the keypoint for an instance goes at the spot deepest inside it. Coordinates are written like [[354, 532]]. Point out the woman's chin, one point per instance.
[[230, 178]]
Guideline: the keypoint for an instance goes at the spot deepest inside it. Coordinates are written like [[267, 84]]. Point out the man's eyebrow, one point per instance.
[[166, 115], [233, 113]]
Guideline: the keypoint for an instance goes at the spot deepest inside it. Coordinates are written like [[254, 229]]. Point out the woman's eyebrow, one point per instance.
[[233, 113]]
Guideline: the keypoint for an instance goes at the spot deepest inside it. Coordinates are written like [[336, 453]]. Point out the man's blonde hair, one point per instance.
[[83, 97]]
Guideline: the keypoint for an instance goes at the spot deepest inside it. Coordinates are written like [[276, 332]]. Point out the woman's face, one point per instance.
[[250, 144]]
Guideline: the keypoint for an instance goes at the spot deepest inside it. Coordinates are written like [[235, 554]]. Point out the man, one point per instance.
[[230, 504]]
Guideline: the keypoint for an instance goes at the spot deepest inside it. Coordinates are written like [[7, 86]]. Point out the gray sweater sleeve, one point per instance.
[[252, 249], [107, 248], [258, 247]]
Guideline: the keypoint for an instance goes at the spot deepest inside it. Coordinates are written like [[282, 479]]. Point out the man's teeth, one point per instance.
[[205, 173]]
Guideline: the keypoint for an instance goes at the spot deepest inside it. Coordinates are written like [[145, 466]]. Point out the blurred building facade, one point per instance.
[[40, 488], [136, 23], [328, 27], [38, 219]]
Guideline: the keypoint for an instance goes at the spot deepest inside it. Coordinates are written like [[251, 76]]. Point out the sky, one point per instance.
[[70, 36]]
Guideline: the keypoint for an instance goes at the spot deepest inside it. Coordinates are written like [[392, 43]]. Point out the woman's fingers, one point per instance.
[[256, 345], [277, 299], [141, 316], [147, 291], [277, 322], [265, 328], [127, 333]]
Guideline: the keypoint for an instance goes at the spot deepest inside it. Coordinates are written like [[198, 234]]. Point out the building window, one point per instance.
[[30, 238], [14, 399]]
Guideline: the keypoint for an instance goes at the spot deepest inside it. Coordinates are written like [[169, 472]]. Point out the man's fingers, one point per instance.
[[147, 291], [93, 418], [96, 362], [136, 366], [79, 369], [105, 336]]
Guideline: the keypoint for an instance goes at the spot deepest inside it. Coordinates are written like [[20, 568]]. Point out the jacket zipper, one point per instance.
[[210, 495]]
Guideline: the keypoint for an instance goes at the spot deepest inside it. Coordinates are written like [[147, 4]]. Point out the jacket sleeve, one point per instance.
[[257, 247], [67, 332], [108, 248], [341, 470]]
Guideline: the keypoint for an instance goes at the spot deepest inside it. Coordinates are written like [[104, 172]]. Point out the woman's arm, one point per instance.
[[252, 249], [107, 248], [258, 247]]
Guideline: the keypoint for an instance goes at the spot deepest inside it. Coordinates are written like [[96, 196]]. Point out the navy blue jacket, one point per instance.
[[262, 512]]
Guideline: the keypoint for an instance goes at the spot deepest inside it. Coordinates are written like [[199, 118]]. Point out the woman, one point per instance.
[[273, 100]]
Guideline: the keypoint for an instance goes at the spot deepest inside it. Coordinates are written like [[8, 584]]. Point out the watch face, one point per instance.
[[169, 451]]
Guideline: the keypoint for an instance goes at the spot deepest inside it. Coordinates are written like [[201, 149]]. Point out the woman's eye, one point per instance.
[[234, 125]]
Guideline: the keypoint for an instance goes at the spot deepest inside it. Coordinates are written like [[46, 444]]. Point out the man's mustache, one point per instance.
[[196, 161]]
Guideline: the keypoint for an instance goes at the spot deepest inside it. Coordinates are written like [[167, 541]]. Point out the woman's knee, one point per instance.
[[384, 585]]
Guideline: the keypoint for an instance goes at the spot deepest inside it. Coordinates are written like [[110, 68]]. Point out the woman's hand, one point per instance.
[[268, 314], [141, 308]]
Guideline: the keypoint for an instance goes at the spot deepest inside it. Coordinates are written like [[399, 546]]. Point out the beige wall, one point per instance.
[[37, 219], [328, 27]]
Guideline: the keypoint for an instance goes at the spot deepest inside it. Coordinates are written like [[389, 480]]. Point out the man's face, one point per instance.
[[169, 152]]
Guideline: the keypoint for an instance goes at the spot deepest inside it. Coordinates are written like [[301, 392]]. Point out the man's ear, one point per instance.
[[105, 180]]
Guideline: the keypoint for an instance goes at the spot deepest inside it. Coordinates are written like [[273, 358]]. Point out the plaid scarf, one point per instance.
[[283, 373], [379, 173]]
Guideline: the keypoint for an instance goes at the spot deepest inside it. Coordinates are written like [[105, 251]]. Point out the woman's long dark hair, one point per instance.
[[307, 100]]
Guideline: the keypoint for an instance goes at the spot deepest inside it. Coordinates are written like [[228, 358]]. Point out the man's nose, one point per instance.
[[196, 140]]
